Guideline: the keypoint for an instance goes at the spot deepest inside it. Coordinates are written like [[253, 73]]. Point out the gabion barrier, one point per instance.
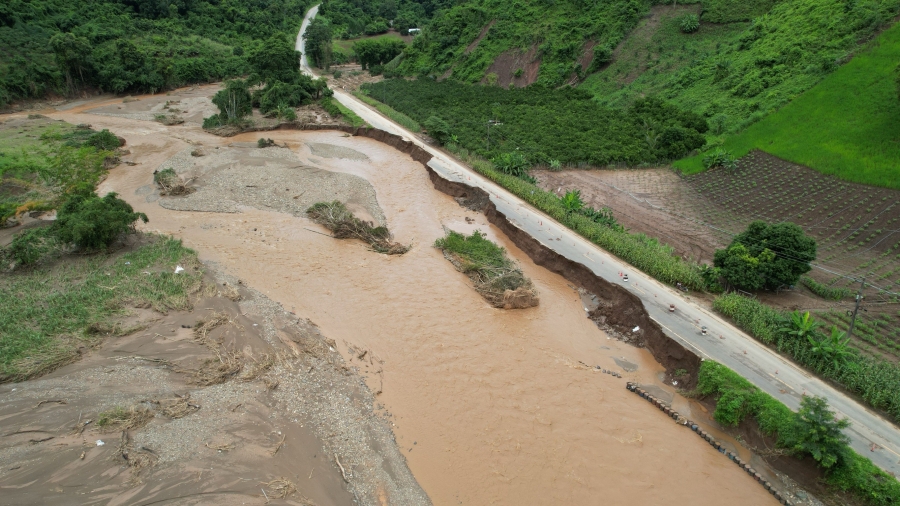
[[662, 406]]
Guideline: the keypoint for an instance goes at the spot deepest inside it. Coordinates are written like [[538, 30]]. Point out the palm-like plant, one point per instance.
[[834, 347], [801, 326], [572, 202]]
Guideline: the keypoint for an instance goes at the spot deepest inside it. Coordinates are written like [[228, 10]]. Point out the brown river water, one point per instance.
[[489, 406]]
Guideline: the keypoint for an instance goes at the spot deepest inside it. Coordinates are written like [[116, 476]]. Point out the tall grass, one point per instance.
[[646, 253], [335, 108], [397, 116], [48, 312]]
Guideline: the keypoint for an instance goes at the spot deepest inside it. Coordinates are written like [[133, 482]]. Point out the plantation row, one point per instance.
[[813, 432], [546, 125], [875, 333], [877, 382]]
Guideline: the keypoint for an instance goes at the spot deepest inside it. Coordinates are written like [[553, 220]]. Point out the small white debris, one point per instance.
[[100, 442], [635, 329], [127, 263], [179, 269]]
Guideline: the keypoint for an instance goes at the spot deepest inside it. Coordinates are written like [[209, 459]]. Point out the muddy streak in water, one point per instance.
[[491, 406]]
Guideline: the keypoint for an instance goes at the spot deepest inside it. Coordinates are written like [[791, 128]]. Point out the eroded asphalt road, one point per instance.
[[724, 343]]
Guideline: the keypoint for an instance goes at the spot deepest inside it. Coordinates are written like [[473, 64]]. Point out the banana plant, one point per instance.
[[834, 348], [572, 202], [801, 326]]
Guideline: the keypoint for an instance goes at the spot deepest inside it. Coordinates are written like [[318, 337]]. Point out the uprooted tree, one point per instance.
[[497, 278], [344, 225]]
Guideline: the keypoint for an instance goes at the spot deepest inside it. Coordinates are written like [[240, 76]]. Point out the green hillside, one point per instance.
[[746, 60], [847, 126]]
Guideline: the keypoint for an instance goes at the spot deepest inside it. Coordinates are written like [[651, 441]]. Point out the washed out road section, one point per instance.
[[724, 343]]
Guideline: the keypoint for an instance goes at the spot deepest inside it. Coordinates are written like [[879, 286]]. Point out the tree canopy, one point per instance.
[[766, 256], [126, 46], [816, 432], [317, 42], [371, 52]]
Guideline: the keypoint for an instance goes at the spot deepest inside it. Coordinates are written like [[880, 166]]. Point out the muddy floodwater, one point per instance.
[[489, 406]]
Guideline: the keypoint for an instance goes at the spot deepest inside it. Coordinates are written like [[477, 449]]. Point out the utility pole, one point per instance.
[[859, 298], [490, 123]]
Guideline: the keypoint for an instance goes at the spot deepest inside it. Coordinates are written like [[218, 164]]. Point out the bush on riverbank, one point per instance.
[[497, 278], [737, 399], [877, 382]]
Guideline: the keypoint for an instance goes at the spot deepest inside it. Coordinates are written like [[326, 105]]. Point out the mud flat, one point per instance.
[[275, 429], [487, 405]]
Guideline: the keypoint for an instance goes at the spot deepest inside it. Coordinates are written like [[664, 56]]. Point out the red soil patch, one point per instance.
[[474, 45], [509, 62]]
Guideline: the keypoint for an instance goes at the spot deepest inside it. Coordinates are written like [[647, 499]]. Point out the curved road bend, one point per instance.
[[724, 343]]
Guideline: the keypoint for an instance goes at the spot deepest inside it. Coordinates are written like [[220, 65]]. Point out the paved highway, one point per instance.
[[724, 343]]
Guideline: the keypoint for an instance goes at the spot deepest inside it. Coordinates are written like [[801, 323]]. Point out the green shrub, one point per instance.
[[213, 121], [286, 113], [264, 143], [337, 74], [813, 432], [438, 129], [719, 158], [103, 140], [30, 246], [513, 164], [91, 222], [689, 23]]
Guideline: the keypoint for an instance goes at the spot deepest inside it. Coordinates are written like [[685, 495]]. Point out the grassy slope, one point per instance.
[[21, 148], [46, 312], [847, 126], [653, 53]]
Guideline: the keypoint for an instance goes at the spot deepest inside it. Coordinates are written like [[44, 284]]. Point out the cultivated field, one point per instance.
[[857, 228]]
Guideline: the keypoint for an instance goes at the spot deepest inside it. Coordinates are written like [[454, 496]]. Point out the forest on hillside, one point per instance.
[[355, 18], [61, 47]]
